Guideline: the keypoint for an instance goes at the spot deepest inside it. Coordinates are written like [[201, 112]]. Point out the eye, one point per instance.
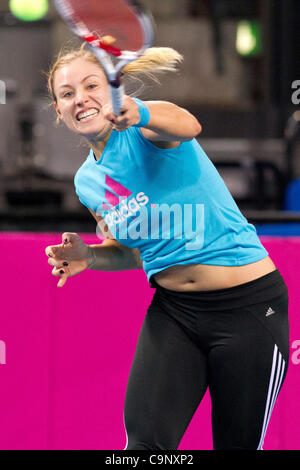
[[92, 86], [67, 94]]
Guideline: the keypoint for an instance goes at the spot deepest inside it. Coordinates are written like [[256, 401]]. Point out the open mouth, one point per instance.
[[88, 115]]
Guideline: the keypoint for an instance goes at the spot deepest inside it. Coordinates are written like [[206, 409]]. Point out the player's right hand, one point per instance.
[[69, 258]]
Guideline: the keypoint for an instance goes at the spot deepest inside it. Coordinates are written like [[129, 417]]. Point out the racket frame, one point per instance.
[[103, 52]]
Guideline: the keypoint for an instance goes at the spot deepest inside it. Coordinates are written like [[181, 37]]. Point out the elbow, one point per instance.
[[192, 126], [193, 131], [197, 128]]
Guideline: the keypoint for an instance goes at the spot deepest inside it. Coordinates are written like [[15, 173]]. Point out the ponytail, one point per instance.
[[154, 61]]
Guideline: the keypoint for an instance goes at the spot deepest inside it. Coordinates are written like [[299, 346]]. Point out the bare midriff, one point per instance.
[[201, 277]]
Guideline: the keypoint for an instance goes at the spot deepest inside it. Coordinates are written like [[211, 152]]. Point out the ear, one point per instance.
[[57, 110]]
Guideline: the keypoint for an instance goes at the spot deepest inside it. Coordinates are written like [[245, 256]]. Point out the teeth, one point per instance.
[[91, 112]]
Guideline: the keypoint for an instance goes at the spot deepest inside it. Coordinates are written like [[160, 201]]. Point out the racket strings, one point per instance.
[[113, 19]]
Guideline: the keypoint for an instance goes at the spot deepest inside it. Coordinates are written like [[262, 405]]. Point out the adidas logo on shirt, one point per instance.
[[127, 207], [269, 312]]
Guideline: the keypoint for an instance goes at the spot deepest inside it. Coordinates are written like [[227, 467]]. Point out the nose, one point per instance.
[[81, 97]]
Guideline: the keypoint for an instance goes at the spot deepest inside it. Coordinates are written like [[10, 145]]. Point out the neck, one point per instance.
[[99, 141]]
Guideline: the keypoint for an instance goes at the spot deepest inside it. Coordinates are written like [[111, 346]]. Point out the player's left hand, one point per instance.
[[129, 116]]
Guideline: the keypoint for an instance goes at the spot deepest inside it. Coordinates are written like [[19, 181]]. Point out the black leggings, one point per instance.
[[234, 341]]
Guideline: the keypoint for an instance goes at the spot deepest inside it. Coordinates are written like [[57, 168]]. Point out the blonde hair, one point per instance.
[[154, 61]]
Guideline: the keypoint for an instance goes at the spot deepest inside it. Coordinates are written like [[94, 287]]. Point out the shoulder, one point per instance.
[[82, 178], [85, 165]]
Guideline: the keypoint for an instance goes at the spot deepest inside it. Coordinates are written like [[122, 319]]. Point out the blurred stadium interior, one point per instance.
[[248, 106]]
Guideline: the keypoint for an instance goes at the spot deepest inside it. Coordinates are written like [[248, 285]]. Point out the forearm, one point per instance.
[[113, 258], [171, 122]]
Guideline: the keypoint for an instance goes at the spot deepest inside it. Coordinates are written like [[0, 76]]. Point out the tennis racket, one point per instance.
[[116, 31]]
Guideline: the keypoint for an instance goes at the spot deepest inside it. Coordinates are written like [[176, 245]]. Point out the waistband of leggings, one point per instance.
[[259, 290]]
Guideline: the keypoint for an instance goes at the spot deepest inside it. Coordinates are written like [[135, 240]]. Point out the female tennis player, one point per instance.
[[219, 314]]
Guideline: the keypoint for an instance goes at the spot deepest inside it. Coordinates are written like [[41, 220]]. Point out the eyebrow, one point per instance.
[[70, 86]]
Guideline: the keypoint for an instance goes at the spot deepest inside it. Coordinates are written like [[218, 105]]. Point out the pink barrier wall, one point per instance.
[[65, 354]]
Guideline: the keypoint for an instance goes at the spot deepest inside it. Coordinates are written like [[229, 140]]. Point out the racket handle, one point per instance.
[[116, 96]]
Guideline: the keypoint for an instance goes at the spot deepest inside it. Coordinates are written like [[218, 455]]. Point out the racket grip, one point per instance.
[[116, 96]]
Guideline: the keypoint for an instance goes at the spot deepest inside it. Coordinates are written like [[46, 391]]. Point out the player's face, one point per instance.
[[81, 90]]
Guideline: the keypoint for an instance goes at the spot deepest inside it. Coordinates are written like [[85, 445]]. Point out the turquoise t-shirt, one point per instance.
[[171, 204]]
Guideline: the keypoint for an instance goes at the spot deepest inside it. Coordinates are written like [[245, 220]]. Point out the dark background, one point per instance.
[[250, 121]]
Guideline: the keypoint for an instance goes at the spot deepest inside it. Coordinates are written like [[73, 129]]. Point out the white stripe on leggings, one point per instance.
[[125, 432], [277, 372]]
